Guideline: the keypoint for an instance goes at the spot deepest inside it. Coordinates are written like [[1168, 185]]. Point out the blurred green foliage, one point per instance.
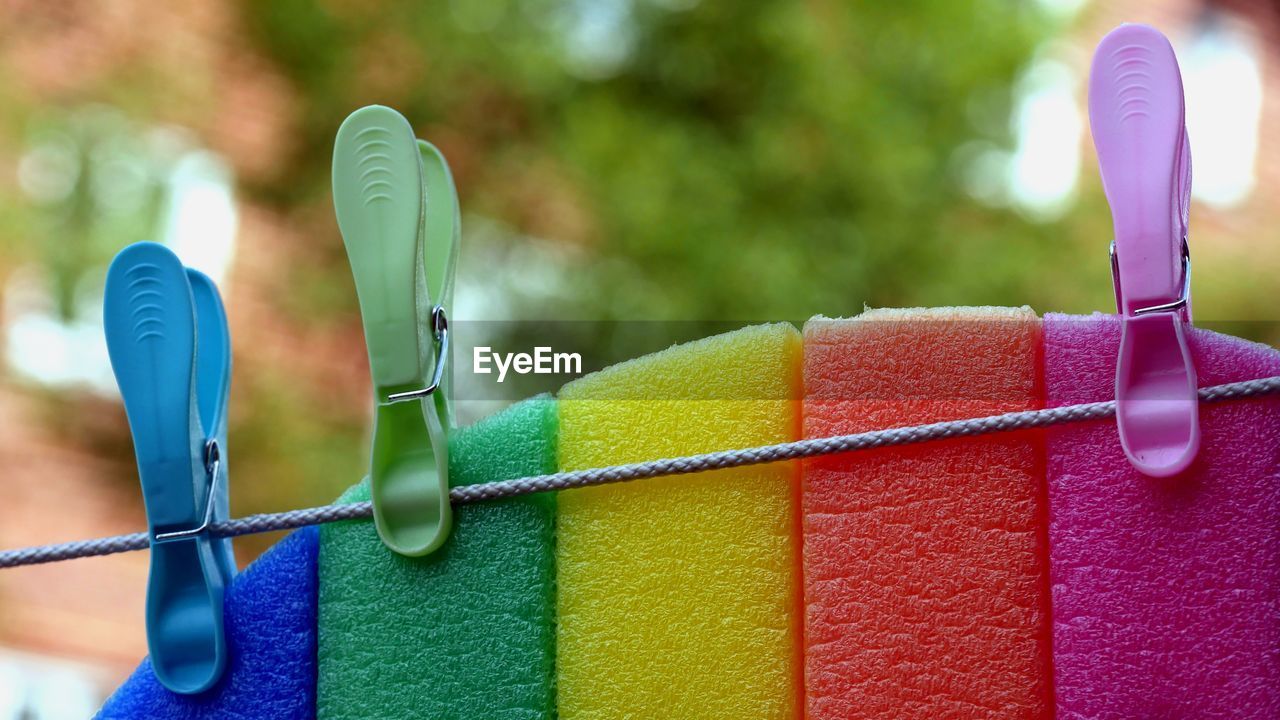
[[698, 161], [96, 182], [718, 161], [689, 160]]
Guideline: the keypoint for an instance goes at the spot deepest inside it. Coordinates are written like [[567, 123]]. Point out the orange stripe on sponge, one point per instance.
[[925, 567], [677, 596]]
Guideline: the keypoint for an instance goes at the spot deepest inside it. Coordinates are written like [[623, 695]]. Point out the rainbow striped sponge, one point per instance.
[[1031, 574]]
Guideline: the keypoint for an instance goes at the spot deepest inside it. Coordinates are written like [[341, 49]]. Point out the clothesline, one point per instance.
[[814, 447]]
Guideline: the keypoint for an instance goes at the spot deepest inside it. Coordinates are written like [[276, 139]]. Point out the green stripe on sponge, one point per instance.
[[678, 596], [467, 632]]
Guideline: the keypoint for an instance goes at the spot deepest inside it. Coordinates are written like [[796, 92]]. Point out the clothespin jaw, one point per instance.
[[1136, 111], [155, 312], [398, 215], [213, 389], [441, 235]]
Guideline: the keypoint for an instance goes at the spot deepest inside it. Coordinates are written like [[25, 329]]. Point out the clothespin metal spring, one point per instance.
[[212, 465], [1184, 296], [440, 326]]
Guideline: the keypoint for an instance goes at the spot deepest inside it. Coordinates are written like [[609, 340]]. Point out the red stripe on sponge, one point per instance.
[[924, 567]]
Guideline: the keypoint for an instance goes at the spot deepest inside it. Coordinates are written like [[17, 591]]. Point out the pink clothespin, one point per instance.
[[1136, 112]]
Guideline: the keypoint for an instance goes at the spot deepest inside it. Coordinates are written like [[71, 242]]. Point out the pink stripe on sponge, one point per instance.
[[1166, 592]]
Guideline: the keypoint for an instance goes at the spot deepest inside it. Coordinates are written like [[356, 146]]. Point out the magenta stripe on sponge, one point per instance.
[[1166, 592]]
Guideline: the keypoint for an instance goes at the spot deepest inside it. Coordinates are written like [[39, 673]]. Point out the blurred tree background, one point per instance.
[[617, 160], [712, 160], [685, 161]]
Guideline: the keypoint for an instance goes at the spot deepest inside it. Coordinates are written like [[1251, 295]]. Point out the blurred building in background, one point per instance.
[[618, 160]]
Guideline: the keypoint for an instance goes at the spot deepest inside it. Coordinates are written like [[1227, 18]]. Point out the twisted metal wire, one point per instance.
[[292, 519]]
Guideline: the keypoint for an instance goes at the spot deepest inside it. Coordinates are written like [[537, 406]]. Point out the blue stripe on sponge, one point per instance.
[[271, 635]]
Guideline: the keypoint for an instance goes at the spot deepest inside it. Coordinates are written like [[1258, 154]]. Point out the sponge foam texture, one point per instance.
[[271, 635], [1165, 591], [677, 596], [924, 566], [467, 632]]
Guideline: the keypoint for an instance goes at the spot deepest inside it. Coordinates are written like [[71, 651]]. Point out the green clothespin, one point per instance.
[[398, 212]]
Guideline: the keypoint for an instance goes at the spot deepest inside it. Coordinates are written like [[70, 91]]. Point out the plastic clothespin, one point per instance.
[[1137, 114], [171, 353], [398, 213]]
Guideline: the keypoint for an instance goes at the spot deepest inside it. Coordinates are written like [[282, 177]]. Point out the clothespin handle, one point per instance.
[[1136, 112]]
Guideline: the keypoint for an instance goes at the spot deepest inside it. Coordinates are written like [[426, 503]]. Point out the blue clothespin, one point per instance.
[[171, 353]]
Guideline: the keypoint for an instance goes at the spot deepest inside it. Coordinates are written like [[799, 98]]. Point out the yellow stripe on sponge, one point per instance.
[[678, 596]]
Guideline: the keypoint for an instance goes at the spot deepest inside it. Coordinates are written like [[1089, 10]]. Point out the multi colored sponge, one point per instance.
[[1165, 590], [678, 595], [467, 632], [924, 566], [271, 635]]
